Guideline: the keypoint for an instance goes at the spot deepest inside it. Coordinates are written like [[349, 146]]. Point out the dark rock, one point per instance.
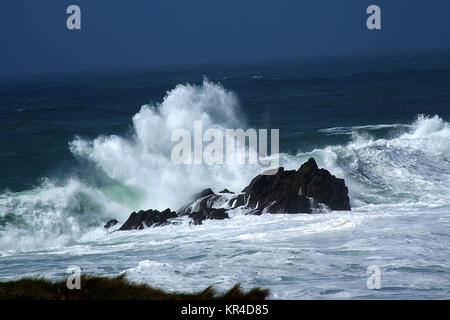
[[196, 222], [211, 213], [226, 191], [207, 199], [237, 201], [203, 200], [201, 204], [197, 216], [216, 214], [281, 191], [276, 193], [323, 187], [110, 223], [143, 219], [203, 193]]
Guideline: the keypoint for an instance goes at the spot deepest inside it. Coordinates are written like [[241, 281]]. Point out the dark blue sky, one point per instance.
[[147, 33]]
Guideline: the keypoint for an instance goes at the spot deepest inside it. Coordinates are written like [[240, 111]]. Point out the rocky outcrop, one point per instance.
[[207, 199], [296, 191], [226, 191], [203, 193], [110, 223], [280, 191], [204, 206], [143, 219], [323, 187], [211, 213], [275, 191]]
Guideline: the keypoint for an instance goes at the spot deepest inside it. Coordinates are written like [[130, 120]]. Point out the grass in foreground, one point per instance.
[[118, 288]]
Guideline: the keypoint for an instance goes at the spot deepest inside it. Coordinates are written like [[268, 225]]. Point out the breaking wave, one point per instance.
[[410, 167]]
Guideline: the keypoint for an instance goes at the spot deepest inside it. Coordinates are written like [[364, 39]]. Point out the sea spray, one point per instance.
[[145, 162], [407, 169], [139, 172]]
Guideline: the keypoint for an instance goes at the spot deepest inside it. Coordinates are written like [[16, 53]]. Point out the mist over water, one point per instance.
[[398, 175]]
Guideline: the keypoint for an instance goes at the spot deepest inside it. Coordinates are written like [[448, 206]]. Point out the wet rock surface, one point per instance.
[[110, 223], [144, 219], [273, 191]]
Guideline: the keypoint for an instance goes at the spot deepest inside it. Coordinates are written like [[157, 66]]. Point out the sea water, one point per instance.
[[79, 149]]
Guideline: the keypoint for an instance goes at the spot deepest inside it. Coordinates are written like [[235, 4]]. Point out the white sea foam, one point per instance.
[[52, 215], [410, 169], [144, 161], [398, 189], [352, 129], [140, 167]]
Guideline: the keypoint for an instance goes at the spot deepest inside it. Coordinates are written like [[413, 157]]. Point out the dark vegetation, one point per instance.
[[118, 288]]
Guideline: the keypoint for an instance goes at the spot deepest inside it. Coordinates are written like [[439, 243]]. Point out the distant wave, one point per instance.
[[412, 167], [352, 129]]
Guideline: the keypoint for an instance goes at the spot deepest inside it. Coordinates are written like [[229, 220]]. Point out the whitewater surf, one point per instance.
[[399, 221]]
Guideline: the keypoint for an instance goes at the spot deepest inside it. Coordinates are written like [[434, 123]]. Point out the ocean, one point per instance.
[[79, 149]]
